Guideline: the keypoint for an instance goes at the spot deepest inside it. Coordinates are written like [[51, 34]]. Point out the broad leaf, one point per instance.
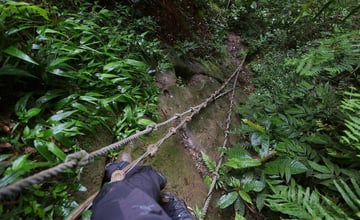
[[56, 151], [241, 163], [32, 112], [42, 148], [227, 200], [245, 196], [19, 162], [145, 122]]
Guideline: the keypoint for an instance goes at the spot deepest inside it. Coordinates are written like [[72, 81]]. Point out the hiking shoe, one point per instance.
[[175, 207]]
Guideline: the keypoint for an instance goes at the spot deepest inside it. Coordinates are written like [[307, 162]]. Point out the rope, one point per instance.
[[226, 137], [81, 158], [153, 148]]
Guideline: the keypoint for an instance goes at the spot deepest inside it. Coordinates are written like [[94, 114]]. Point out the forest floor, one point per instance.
[[179, 158]]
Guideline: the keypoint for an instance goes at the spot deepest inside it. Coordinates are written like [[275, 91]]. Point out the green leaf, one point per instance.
[[19, 163], [42, 148], [256, 139], [260, 200], [32, 112], [211, 165], [4, 156], [245, 196], [346, 193], [254, 185], [59, 61], [13, 51], [284, 167], [49, 95], [227, 199], [113, 65], [239, 217], [253, 125], [61, 127], [10, 178], [14, 71], [81, 107], [26, 132], [239, 206], [60, 115], [236, 152], [319, 168], [56, 151], [20, 106], [241, 163], [145, 122], [135, 63]]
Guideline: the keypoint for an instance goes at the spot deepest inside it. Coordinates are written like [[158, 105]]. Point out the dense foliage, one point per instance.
[[301, 157], [69, 70]]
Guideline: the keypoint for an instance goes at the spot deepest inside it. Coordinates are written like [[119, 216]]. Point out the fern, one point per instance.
[[351, 106], [350, 193], [295, 201], [211, 165], [334, 55], [285, 168]]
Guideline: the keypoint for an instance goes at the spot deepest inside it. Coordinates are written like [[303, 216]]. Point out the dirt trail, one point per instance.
[[179, 157]]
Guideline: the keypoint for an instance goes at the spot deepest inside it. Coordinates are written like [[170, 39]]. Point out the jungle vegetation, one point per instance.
[[68, 67]]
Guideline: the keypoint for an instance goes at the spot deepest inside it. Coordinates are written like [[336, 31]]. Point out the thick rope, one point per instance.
[[226, 137], [81, 158], [153, 148], [45, 174]]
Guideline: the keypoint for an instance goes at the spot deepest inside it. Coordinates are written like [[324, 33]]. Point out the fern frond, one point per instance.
[[333, 56], [211, 165], [350, 197], [285, 168], [351, 106], [301, 203]]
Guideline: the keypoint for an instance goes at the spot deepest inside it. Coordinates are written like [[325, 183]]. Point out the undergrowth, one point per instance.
[[66, 72], [301, 156]]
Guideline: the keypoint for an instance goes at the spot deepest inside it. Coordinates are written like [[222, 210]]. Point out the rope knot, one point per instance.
[[172, 130], [192, 109], [152, 149], [188, 118], [81, 158], [153, 127]]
